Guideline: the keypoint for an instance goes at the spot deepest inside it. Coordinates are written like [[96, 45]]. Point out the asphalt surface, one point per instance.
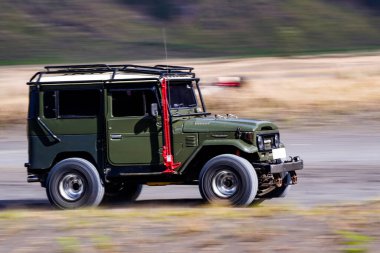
[[341, 166]]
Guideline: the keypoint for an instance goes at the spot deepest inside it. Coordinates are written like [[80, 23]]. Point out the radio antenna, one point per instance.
[[165, 47]]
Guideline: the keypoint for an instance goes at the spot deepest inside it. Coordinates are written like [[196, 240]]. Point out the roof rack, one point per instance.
[[160, 70], [120, 67], [78, 67], [171, 67]]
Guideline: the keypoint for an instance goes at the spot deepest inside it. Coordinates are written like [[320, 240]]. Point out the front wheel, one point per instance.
[[228, 179], [73, 183]]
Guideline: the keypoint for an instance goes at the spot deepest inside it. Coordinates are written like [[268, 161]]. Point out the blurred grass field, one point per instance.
[[318, 91], [178, 229], [48, 31], [309, 91]]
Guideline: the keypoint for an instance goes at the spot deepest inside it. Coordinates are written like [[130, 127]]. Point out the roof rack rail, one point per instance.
[[172, 67], [158, 69], [141, 68], [88, 67]]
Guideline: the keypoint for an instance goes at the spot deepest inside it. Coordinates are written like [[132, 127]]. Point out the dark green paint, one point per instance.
[[138, 138], [224, 125], [43, 150]]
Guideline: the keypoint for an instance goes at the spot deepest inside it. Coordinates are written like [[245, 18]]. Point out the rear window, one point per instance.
[[33, 103], [71, 103]]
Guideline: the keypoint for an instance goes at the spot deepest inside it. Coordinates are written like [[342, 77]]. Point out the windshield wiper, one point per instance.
[[192, 114]]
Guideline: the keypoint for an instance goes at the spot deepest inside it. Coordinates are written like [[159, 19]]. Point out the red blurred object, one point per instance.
[[229, 81]]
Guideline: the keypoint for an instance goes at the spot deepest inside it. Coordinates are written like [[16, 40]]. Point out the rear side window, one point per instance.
[[33, 103], [71, 103], [50, 110]]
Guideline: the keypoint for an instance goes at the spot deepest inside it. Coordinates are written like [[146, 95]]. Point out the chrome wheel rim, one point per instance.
[[225, 183], [71, 187]]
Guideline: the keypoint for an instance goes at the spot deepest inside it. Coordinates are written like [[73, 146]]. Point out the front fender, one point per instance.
[[239, 144]]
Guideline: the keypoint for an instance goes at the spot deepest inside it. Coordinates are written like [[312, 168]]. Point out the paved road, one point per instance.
[[341, 165]]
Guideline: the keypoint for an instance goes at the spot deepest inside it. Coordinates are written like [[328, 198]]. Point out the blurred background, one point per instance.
[[310, 66], [218, 38], [48, 31]]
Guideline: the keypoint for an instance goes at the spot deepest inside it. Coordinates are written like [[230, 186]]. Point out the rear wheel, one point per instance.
[[122, 192], [74, 183], [228, 179]]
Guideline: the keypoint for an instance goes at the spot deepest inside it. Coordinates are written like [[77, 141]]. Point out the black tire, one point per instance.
[[121, 192], [282, 191], [73, 183], [228, 179]]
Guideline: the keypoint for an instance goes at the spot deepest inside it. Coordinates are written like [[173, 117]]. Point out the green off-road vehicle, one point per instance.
[[102, 131]]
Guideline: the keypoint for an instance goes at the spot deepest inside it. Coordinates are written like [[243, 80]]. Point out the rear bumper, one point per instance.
[[294, 164]]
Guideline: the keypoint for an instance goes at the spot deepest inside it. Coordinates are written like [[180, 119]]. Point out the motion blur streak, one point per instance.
[[327, 106], [81, 31]]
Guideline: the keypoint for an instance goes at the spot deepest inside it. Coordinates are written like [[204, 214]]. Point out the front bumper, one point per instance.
[[296, 163]]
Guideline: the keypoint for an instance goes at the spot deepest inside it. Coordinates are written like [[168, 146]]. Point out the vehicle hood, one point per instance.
[[212, 124]]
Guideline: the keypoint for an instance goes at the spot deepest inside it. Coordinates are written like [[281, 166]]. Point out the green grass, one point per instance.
[[355, 242], [81, 31], [136, 229], [68, 244], [103, 243]]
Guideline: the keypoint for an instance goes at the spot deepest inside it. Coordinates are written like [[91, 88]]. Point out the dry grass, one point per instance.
[[299, 89], [287, 89], [14, 93], [185, 230]]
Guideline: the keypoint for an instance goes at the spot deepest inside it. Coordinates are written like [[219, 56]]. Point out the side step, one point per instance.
[[32, 178]]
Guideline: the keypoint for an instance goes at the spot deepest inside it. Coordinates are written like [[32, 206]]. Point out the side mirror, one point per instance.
[[154, 109]]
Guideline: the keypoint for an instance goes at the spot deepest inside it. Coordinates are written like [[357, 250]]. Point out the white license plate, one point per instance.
[[279, 153]]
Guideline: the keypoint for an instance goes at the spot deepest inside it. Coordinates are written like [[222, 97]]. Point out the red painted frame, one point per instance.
[[167, 147]]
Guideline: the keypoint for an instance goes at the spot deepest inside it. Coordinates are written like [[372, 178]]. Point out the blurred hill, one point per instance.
[[41, 31]]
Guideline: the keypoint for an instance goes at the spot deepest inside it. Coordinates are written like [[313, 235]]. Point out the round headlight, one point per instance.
[[260, 142], [277, 140]]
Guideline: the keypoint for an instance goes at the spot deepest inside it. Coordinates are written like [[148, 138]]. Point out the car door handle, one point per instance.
[[116, 136]]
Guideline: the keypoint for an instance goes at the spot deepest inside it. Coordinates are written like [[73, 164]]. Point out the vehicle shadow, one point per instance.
[[43, 204], [33, 204], [157, 203]]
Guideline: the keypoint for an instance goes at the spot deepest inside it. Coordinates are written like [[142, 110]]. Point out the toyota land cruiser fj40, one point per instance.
[[103, 131]]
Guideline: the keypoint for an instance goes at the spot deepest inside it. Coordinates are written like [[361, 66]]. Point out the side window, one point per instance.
[[182, 95], [74, 103], [50, 110], [33, 103], [130, 102], [71, 103]]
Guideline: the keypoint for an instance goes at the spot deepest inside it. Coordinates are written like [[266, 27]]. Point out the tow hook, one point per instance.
[[278, 182], [293, 176]]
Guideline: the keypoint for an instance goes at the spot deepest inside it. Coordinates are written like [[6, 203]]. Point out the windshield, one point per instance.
[[182, 95]]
